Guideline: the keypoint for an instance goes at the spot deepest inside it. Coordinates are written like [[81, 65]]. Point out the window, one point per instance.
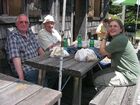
[[94, 9]]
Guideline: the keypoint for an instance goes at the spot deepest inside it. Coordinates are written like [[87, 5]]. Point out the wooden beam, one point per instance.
[[80, 14]]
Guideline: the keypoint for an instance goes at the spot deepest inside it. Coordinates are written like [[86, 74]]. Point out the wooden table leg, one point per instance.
[[41, 77], [77, 91]]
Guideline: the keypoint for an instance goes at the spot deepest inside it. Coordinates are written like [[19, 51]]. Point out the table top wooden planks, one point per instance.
[[70, 65]]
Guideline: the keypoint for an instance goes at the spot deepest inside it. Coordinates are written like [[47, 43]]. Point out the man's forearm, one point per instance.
[[41, 51], [18, 67], [57, 43], [54, 44]]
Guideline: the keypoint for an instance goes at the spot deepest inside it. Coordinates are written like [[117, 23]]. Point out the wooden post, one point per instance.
[[80, 16]]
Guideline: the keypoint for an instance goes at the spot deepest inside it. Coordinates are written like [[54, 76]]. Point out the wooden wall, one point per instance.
[[12, 7], [97, 8], [94, 8]]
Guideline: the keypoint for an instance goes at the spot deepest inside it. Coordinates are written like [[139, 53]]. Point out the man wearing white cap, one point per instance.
[[48, 36]]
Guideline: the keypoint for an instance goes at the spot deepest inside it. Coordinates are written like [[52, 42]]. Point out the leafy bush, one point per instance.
[[130, 16], [115, 9]]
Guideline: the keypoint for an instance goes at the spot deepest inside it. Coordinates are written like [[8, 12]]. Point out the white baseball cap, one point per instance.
[[48, 18]]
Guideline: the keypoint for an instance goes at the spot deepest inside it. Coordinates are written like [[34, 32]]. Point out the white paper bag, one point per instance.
[[85, 55]]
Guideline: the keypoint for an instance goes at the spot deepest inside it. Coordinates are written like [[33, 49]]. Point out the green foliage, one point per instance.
[[130, 13], [130, 17], [115, 9]]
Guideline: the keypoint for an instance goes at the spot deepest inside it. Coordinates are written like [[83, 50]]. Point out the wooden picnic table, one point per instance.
[[15, 92], [70, 67]]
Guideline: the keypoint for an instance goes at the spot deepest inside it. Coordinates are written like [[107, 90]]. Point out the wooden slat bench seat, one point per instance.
[[15, 92], [44, 96], [114, 96], [129, 95]]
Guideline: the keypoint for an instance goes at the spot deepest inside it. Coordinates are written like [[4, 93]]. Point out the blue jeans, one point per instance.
[[51, 80], [29, 75]]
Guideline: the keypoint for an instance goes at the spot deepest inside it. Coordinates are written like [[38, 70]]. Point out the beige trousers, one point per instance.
[[111, 79]]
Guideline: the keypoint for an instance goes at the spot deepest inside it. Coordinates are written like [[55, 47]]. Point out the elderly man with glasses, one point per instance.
[[21, 45]]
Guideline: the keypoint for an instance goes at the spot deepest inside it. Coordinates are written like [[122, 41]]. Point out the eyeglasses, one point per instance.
[[21, 22]]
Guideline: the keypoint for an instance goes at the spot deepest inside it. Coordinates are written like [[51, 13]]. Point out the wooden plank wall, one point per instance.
[[12, 7]]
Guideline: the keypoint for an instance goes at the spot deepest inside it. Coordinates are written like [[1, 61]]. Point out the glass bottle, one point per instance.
[[65, 40], [79, 39], [91, 43]]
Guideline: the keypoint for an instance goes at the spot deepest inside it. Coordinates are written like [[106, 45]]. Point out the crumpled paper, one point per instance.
[[58, 51]]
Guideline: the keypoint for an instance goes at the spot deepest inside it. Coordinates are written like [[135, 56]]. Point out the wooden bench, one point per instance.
[[15, 92], [129, 95], [114, 96], [44, 96]]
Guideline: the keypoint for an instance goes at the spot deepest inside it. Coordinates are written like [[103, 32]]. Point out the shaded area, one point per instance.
[[88, 91]]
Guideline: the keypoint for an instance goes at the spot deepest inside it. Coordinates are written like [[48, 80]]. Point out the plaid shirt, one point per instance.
[[18, 46]]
